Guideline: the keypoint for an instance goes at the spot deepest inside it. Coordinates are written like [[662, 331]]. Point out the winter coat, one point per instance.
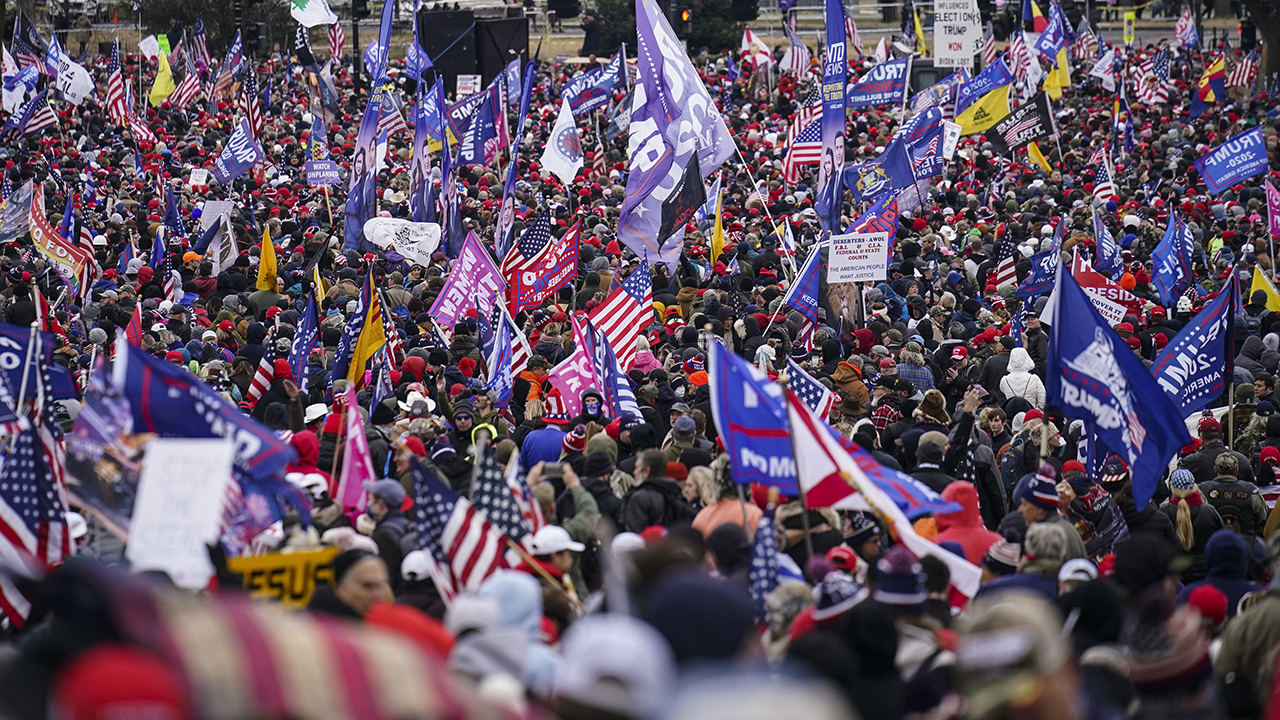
[[1205, 521], [1250, 357], [848, 378], [1147, 520], [653, 502], [1249, 646], [1021, 380], [965, 525], [1200, 463], [1226, 561]]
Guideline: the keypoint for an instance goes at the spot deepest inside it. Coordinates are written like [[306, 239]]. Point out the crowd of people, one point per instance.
[[633, 598]]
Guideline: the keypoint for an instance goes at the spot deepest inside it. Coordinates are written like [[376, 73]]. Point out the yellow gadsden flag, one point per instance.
[[985, 112], [1037, 157], [267, 264], [163, 87], [372, 335], [717, 233], [921, 47], [1260, 282]]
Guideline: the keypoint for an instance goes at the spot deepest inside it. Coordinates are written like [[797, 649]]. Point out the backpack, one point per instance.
[[405, 534], [1010, 463]]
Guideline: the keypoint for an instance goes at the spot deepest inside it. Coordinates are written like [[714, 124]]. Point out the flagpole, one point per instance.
[[772, 222], [26, 364], [804, 506], [1231, 414]]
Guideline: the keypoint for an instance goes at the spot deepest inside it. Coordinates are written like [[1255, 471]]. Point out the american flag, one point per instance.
[[532, 245], [263, 375], [138, 126], [797, 58], [598, 165], [851, 34], [1103, 188], [251, 104], [455, 533], [762, 576], [813, 393], [1086, 44], [1152, 79], [1245, 71], [520, 351], [625, 313], [806, 149], [1020, 54], [492, 496], [36, 116], [390, 119], [6, 188], [188, 89], [989, 51], [27, 43], [1006, 273], [231, 65], [199, 43], [395, 343], [336, 39]]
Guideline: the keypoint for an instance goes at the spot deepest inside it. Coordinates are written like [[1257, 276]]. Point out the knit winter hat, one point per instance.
[[1169, 650], [836, 594], [442, 449], [900, 581], [575, 440], [1002, 557], [1042, 492], [863, 529]]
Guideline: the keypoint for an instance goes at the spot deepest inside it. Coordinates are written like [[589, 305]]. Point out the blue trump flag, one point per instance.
[[1093, 377], [1234, 161], [831, 168], [1044, 268], [304, 341], [802, 296], [884, 84], [1197, 364], [996, 76], [1172, 272], [507, 212], [241, 153], [1108, 250], [751, 418], [14, 342], [169, 401]]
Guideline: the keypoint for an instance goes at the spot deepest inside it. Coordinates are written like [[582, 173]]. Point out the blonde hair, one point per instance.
[[704, 480], [1182, 524]]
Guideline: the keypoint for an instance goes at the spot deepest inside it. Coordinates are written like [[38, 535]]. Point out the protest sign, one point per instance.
[[179, 508], [199, 177], [858, 257], [473, 282], [286, 577], [467, 85], [957, 28]]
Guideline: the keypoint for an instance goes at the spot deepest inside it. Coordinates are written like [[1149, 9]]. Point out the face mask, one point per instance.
[[591, 406], [679, 392]]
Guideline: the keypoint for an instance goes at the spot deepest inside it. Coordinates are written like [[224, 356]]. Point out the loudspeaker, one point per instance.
[[449, 39], [498, 42]]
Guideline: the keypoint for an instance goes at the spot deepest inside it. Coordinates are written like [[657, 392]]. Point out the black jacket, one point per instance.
[[656, 501]]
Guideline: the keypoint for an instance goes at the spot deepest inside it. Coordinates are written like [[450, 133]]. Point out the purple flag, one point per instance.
[[1273, 210], [473, 282], [673, 116], [831, 169]]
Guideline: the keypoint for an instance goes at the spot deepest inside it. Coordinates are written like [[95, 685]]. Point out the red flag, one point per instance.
[[133, 331]]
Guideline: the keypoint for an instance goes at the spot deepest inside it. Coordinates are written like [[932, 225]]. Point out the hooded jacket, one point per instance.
[[308, 447], [964, 526], [1226, 560], [1250, 357], [1021, 380], [848, 378], [519, 599]]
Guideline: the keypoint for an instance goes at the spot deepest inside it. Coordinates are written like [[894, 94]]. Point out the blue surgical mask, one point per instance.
[[591, 405]]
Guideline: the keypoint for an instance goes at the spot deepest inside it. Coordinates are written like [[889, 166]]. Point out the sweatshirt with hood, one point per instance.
[[964, 526], [1021, 380], [1226, 560]]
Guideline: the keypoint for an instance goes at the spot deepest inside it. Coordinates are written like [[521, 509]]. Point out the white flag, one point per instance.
[[563, 153], [74, 81], [12, 99], [310, 13], [1104, 70], [223, 251], [149, 46]]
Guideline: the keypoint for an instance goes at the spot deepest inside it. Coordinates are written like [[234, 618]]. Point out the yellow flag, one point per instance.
[[1260, 282], [920, 46], [372, 335], [717, 233], [318, 281], [1059, 77], [985, 112], [267, 263], [1037, 157], [163, 86]]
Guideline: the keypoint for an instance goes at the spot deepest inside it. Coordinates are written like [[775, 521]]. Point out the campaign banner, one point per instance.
[[71, 256], [751, 417], [288, 577], [556, 268], [15, 212], [884, 84], [572, 376], [1195, 365], [14, 344], [1234, 161], [474, 281], [957, 28], [415, 241], [239, 156], [1033, 121], [858, 257]]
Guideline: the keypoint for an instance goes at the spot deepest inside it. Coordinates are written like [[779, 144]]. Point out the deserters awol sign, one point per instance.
[[858, 257]]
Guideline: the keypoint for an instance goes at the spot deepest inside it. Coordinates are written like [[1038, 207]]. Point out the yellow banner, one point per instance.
[[286, 577], [985, 112]]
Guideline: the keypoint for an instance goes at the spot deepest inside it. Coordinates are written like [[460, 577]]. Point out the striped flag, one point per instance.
[[189, 88], [199, 44], [336, 39], [116, 107], [851, 34], [989, 51], [390, 119], [797, 58], [805, 150], [501, 504], [1185, 30], [813, 393], [1104, 188], [250, 104], [1086, 44], [1245, 71], [1151, 84], [1006, 274], [35, 117], [520, 351], [455, 533], [598, 165], [263, 375], [625, 314], [395, 343]]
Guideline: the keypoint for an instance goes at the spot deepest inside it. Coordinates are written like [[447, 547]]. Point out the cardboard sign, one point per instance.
[[181, 492], [149, 46], [199, 177], [858, 257], [286, 577], [322, 172], [957, 28], [467, 85]]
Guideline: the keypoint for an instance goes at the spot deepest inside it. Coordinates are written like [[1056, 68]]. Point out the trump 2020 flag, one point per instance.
[[1234, 161], [563, 152], [1195, 366], [1093, 377], [241, 153], [672, 117], [1172, 261], [752, 421], [831, 167]]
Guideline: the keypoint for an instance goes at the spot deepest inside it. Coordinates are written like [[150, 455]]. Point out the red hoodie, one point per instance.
[[308, 447], [965, 526]]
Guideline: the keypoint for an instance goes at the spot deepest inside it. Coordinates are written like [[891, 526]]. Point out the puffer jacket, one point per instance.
[[1021, 380]]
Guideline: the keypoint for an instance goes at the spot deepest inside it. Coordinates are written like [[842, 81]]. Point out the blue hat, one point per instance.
[[1042, 491], [835, 594], [1182, 479], [900, 581], [1264, 409]]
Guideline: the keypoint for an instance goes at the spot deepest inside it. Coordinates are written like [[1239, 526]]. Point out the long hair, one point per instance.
[[1182, 525]]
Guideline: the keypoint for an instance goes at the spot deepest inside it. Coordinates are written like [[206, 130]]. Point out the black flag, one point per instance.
[[688, 196], [1033, 121]]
